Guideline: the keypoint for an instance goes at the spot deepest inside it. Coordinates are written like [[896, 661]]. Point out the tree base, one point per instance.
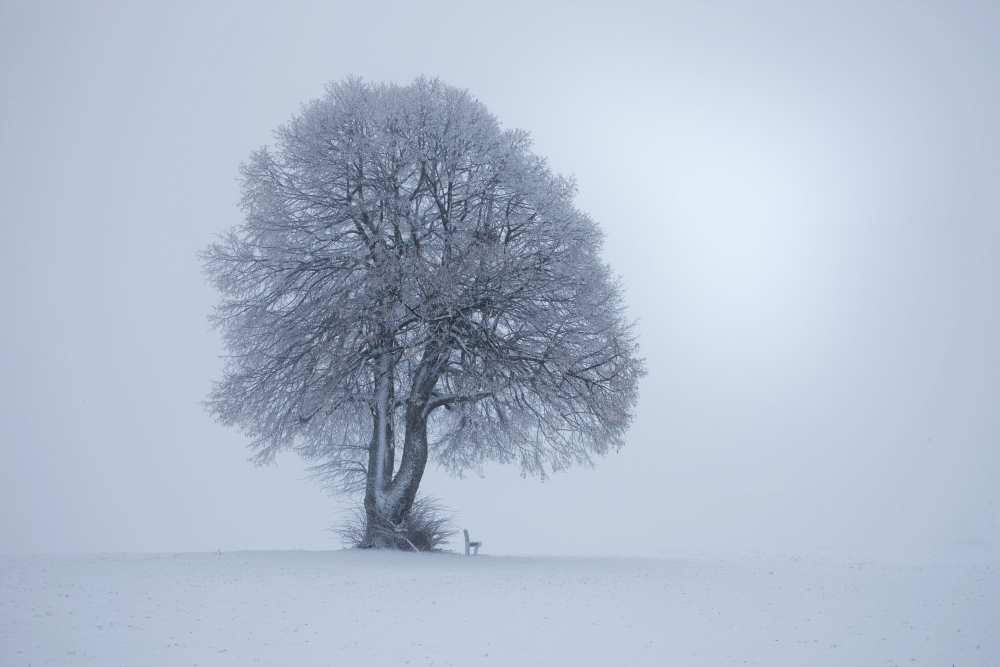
[[426, 527]]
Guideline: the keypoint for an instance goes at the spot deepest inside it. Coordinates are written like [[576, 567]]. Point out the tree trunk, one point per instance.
[[411, 467], [388, 500], [381, 455]]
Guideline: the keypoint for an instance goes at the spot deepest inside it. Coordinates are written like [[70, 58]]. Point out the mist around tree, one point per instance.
[[412, 282]]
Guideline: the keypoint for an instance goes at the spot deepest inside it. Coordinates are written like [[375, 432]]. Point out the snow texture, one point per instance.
[[347, 608]]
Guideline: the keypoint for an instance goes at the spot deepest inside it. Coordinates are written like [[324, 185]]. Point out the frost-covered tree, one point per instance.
[[411, 274]]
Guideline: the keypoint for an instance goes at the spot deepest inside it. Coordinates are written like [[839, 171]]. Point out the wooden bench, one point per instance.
[[471, 546]]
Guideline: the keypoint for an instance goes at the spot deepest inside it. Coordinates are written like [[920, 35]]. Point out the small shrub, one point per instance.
[[427, 527]]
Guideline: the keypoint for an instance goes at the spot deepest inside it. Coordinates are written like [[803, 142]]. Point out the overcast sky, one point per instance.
[[803, 204]]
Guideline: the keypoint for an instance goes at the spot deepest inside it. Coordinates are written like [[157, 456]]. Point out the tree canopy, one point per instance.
[[407, 267]]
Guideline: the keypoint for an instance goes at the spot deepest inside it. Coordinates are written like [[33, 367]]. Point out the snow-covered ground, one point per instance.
[[361, 608]]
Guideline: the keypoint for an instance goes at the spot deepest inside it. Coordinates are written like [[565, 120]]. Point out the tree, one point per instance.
[[408, 270]]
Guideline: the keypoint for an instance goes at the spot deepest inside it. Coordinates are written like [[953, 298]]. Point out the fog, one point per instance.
[[802, 204]]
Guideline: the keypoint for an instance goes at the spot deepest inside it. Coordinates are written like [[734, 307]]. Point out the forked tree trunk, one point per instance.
[[386, 507], [411, 468], [388, 498]]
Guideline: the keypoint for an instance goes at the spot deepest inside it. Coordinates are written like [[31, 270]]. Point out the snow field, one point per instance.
[[301, 609]]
